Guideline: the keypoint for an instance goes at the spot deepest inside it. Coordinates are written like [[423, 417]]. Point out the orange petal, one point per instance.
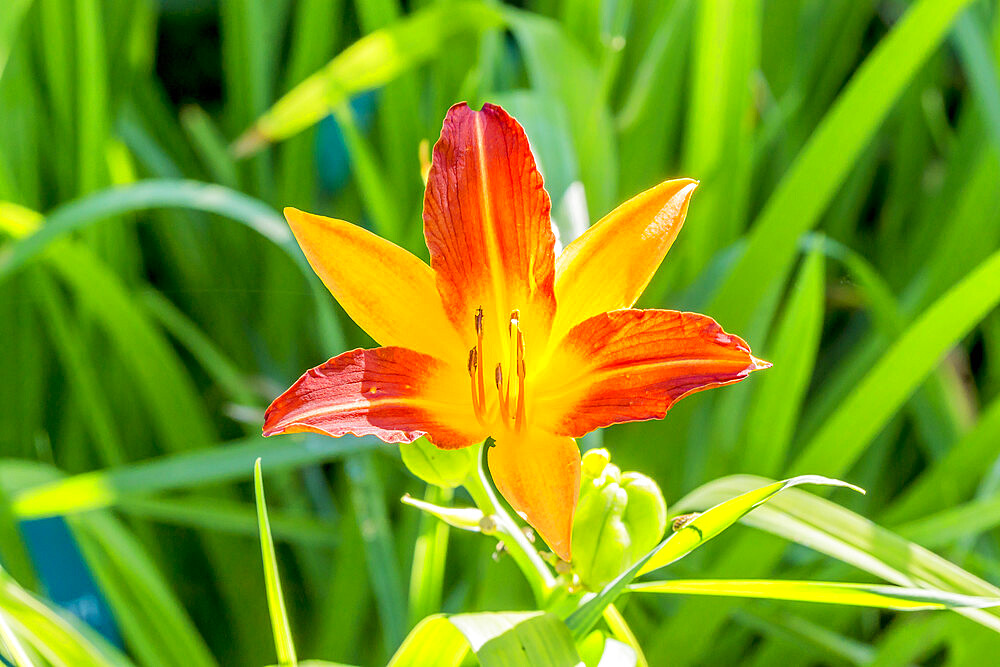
[[539, 475], [389, 292], [610, 264], [630, 365], [393, 393], [487, 226]]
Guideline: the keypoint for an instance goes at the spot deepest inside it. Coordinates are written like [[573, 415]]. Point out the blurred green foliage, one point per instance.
[[847, 224]]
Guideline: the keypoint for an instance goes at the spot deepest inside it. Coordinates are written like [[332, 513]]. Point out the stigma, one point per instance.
[[505, 409]]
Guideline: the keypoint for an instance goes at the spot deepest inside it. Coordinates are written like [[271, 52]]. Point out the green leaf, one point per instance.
[[372, 61], [557, 65], [219, 515], [104, 488], [980, 66], [446, 468], [822, 165], [64, 639], [368, 500], [497, 639], [792, 349], [828, 592], [11, 14], [272, 580], [870, 406], [682, 542], [713, 521], [140, 598], [842, 534], [168, 193], [12, 645]]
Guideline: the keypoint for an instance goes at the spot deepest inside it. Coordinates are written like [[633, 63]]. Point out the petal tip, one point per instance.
[[759, 364], [689, 188], [563, 550]]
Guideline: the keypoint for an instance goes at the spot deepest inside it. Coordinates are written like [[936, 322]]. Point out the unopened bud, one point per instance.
[[619, 518]]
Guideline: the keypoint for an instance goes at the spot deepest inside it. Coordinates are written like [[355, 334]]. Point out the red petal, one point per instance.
[[630, 365], [487, 226], [393, 393]]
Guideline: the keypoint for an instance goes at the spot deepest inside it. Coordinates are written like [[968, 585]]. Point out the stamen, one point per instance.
[[477, 395], [521, 372], [513, 331], [480, 380]]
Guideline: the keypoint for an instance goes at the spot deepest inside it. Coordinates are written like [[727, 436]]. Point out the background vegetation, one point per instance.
[[848, 224]]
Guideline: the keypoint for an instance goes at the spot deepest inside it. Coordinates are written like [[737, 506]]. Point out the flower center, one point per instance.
[[509, 385]]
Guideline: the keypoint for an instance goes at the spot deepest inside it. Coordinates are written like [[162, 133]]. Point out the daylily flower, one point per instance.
[[499, 337]]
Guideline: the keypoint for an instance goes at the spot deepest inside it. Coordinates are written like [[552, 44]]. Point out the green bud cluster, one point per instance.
[[619, 518]]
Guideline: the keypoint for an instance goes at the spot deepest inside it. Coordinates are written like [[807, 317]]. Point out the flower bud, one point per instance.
[[447, 468], [619, 517]]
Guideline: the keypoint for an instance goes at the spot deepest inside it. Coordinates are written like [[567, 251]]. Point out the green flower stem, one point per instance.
[[479, 484], [429, 554]]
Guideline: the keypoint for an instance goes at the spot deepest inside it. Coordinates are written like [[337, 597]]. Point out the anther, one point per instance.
[[479, 321], [499, 376], [473, 361]]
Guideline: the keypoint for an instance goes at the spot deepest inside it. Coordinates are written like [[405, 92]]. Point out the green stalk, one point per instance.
[[480, 487], [429, 556]]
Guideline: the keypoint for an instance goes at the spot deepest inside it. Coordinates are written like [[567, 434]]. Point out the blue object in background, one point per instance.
[[333, 161], [65, 576]]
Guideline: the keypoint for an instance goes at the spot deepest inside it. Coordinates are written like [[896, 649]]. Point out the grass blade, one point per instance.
[[170, 193], [898, 598], [777, 401], [104, 488], [372, 61], [275, 599], [842, 534], [368, 500], [822, 165], [885, 388]]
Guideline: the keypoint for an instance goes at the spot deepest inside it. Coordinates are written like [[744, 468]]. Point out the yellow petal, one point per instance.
[[610, 264], [389, 292], [539, 475]]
